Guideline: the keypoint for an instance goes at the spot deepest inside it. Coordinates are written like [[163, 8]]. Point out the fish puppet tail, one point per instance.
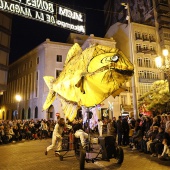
[[52, 94]]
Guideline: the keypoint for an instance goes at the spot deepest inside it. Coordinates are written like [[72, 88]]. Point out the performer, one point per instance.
[[57, 136], [79, 133], [100, 127]]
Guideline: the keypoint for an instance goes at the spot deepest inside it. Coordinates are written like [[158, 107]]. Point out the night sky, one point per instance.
[[27, 33]]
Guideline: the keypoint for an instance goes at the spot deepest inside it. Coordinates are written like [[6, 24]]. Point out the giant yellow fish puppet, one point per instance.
[[88, 78]]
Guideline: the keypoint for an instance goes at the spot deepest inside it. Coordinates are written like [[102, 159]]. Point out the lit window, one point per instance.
[[147, 62], [139, 61]]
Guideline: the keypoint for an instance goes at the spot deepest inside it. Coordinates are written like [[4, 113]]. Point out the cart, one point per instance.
[[67, 146]]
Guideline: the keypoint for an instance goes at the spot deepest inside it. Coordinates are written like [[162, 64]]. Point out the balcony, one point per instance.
[[138, 38], [163, 19], [161, 2], [146, 51], [146, 80], [145, 39], [162, 9], [152, 39]]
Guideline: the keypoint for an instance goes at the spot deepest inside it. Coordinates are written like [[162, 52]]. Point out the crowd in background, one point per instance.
[[146, 134], [150, 135], [18, 130]]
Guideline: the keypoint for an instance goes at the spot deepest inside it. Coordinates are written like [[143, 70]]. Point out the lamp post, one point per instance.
[[18, 99], [132, 57], [163, 64]]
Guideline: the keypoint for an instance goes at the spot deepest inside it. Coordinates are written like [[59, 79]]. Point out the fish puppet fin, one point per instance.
[[69, 109], [52, 94], [80, 84], [74, 50], [118, 91]]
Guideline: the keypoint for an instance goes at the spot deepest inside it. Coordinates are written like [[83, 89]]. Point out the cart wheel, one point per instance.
[[120, 155], [82, 159], [61, 158]]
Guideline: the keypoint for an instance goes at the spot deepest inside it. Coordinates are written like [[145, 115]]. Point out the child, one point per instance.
[[166, 151]]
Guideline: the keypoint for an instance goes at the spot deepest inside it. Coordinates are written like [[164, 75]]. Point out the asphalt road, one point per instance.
[[29, 155]]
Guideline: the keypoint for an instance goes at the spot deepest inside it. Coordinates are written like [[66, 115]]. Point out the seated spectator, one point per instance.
[[136, 138], [153, 136], [12, 134], [158, 139], [16, 131], [166, 151], [28, 132], [166, 141], [2, 134], [146, 138]]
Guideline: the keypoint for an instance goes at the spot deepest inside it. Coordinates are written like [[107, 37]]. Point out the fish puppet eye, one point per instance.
[[114, 58]]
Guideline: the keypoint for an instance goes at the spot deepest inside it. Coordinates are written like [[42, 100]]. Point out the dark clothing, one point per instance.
[[119, 131], [77, 127], [167, 137], [125, 127], [158, 139]]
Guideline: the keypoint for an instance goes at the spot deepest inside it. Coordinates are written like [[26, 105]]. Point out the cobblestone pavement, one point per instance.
[[29, 155]]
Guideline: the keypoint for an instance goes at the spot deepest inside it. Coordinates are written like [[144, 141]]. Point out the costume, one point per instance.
[[56, 138], [100, 127], [79, 133]]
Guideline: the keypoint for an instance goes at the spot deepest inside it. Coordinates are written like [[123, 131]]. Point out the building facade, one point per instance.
[[5, 36]]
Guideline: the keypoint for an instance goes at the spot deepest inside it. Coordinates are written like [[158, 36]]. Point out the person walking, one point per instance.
[[100, 127], [57, 136]]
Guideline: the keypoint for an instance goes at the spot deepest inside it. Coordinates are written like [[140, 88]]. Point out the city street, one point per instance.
[[29, 155]]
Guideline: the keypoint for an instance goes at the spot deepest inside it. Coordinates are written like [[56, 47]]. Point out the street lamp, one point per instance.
[[163, 64], [18, 99], [132, 57]]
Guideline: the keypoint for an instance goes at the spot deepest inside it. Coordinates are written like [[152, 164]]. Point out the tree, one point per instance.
[[157, 98]]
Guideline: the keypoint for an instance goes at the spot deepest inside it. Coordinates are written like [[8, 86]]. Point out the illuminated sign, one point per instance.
[[47, 12]]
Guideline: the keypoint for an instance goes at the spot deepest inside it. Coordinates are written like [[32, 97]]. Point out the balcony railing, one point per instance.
[[146, 51]]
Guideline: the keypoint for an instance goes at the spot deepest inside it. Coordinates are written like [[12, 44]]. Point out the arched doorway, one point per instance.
[[23, 114], [3, 115], [36, 112], [29, 113], [51, 112], [7, 115]]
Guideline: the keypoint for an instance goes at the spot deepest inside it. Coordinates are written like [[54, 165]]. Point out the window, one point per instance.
[[59, 58], [141, 74], [137, 35], [151, 38], [123, 99], [145, 46], [139, 62], [138, 47], [144, 87], [145, 36], [147, 62], [58, 73], [37, 61]]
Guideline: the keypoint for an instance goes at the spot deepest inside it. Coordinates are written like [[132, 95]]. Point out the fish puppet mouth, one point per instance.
[[112, 65]]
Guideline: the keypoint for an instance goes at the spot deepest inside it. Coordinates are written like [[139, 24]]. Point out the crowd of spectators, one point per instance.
[[18, 130], [150, 135]]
